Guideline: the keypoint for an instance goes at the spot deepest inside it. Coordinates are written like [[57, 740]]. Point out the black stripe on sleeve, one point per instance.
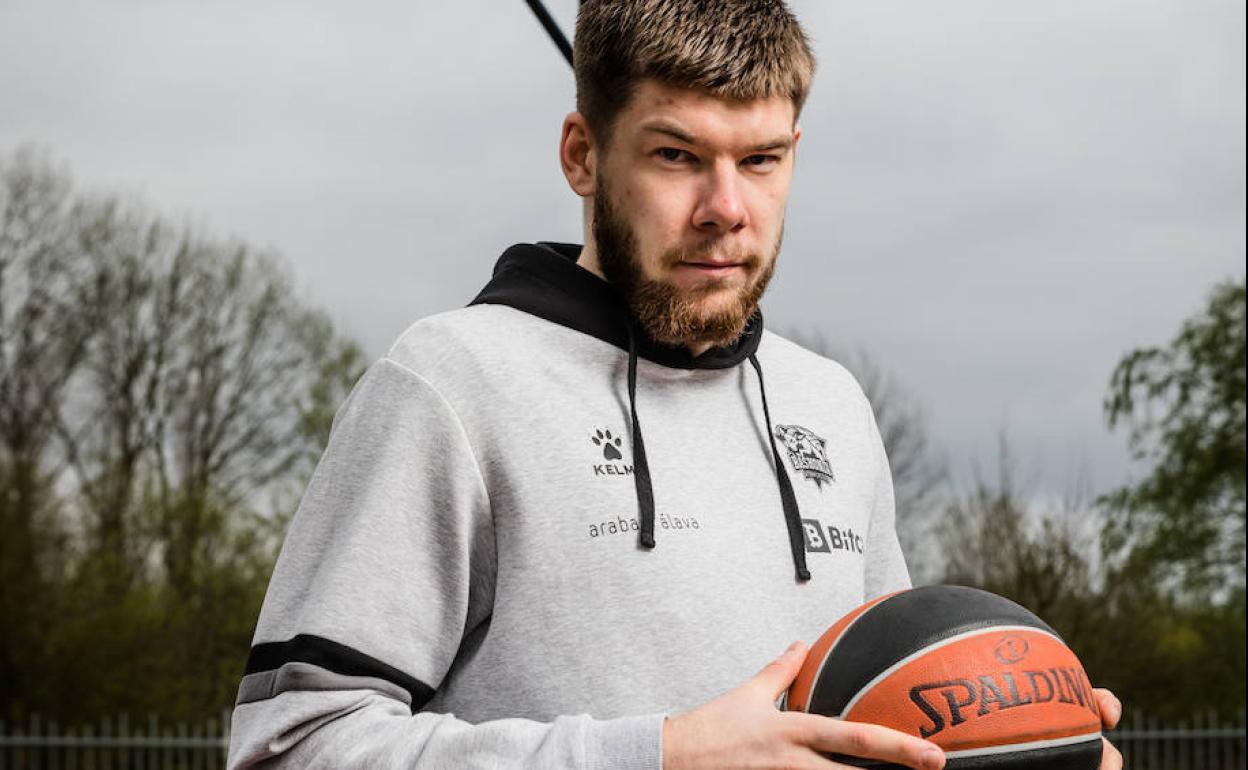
[[335, 657]]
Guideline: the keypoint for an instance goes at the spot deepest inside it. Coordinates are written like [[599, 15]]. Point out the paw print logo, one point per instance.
[[610, 444]]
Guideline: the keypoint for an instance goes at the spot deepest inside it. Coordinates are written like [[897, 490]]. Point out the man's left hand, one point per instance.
[[1111, 711]]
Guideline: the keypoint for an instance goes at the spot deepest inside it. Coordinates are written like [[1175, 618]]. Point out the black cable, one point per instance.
[[552, 28]]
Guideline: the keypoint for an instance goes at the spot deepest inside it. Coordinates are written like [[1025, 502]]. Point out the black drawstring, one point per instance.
[[645, 489], [792, 516], [641, 469]]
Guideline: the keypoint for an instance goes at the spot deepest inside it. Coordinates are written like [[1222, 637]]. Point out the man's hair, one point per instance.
[[734, 49]]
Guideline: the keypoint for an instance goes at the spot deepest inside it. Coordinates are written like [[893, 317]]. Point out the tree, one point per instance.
[[1161, 656], [1146, 584], [1174, 539], [42, 343], [1183, 405], [160, 390], [994, 538]]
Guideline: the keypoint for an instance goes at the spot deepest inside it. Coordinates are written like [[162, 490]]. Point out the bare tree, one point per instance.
[[42, 342], [157, 386], [1041, 555], [106, 430]]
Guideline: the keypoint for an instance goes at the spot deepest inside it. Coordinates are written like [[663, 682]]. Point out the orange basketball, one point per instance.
[[970, 671]]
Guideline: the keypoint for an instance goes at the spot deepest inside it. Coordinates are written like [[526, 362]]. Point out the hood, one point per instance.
[[544, 280]]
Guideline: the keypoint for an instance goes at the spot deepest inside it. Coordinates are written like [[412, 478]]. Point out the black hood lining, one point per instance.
[[544, 280]]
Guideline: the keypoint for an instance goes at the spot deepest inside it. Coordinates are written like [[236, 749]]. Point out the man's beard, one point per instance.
[[666, 312]]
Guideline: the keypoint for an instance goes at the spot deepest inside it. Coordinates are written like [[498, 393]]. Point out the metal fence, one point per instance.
[[1201, 743], [116, 744]]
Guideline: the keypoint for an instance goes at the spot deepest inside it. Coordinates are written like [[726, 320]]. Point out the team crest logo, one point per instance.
[[806, 453]]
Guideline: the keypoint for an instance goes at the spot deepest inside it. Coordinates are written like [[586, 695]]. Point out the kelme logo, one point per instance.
[[608, 446]]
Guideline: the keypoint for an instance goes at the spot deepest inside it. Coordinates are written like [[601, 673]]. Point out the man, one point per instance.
[[547, 521]]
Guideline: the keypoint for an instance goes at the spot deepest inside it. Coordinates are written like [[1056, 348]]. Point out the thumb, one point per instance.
[[777, 675]]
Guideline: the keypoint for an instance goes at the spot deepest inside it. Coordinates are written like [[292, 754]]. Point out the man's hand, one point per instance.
[[1111, 711], [744, 729]]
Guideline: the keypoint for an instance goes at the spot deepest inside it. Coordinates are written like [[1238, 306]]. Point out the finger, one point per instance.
[[777, 675], [866, 741], [1109, 706], [1111, 758]]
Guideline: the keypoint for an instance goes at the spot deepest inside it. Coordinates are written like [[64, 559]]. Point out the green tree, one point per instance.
[[1162, 656], [1173, 540], [1183, 405]]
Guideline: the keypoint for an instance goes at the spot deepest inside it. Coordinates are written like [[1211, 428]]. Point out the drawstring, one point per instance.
[[645, 489], [792, 516], [641, 469]]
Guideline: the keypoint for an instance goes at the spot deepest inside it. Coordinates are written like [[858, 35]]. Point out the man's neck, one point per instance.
[[589, 258]]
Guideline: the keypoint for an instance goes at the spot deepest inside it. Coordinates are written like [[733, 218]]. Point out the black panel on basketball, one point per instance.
[[1079, 756], [901, 626]]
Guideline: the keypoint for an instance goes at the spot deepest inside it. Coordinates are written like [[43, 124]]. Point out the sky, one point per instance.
[[993, 200]]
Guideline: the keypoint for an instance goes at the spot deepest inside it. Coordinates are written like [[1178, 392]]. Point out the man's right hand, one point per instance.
[[744, 729]]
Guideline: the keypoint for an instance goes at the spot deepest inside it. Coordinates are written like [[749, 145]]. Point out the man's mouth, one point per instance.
[[713, 268]]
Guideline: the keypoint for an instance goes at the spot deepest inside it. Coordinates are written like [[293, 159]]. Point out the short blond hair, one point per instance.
[[734, 49]]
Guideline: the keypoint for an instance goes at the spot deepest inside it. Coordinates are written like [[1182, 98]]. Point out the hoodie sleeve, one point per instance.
[[886, 566], [388, 563]]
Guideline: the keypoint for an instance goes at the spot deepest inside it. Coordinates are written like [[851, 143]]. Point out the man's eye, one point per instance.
[[761, 160], [673, 155]]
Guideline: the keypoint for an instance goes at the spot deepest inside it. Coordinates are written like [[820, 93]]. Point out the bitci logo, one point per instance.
[[833, 539], [812, 532]]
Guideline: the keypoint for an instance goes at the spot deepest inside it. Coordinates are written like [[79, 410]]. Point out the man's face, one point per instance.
[[689, 209]]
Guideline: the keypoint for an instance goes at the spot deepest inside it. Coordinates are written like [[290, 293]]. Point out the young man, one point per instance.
[[548, 520]]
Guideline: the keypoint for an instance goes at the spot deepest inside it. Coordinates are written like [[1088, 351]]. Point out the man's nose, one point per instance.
[[720, 206]]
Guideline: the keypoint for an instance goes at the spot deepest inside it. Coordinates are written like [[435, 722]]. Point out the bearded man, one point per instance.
[[554, 528]]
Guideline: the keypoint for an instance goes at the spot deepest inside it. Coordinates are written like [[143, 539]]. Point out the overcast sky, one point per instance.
[[994, 199]]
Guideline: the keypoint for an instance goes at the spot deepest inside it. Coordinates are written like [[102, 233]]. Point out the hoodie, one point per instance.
[[535, 532]]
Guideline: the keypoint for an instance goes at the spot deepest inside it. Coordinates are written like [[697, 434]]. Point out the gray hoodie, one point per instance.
[[496, 566]]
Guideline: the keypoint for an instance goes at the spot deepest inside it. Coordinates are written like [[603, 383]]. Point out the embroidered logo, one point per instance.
[[609, 444], [806, 453], [812, 533], [819, 540]]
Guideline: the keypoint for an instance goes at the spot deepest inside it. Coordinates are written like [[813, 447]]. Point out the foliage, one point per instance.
[[159, 391], [1184, 407], [1153, 599]]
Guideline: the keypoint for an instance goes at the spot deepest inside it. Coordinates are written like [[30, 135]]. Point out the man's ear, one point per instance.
[[578, 155]]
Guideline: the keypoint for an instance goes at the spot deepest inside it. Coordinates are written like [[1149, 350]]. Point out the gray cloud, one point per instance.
[[995, 199]]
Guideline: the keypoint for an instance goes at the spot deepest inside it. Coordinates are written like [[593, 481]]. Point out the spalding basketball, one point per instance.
[[974, 673]]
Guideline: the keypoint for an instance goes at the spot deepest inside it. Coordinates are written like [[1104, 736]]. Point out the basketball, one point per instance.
[[974, 673]]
